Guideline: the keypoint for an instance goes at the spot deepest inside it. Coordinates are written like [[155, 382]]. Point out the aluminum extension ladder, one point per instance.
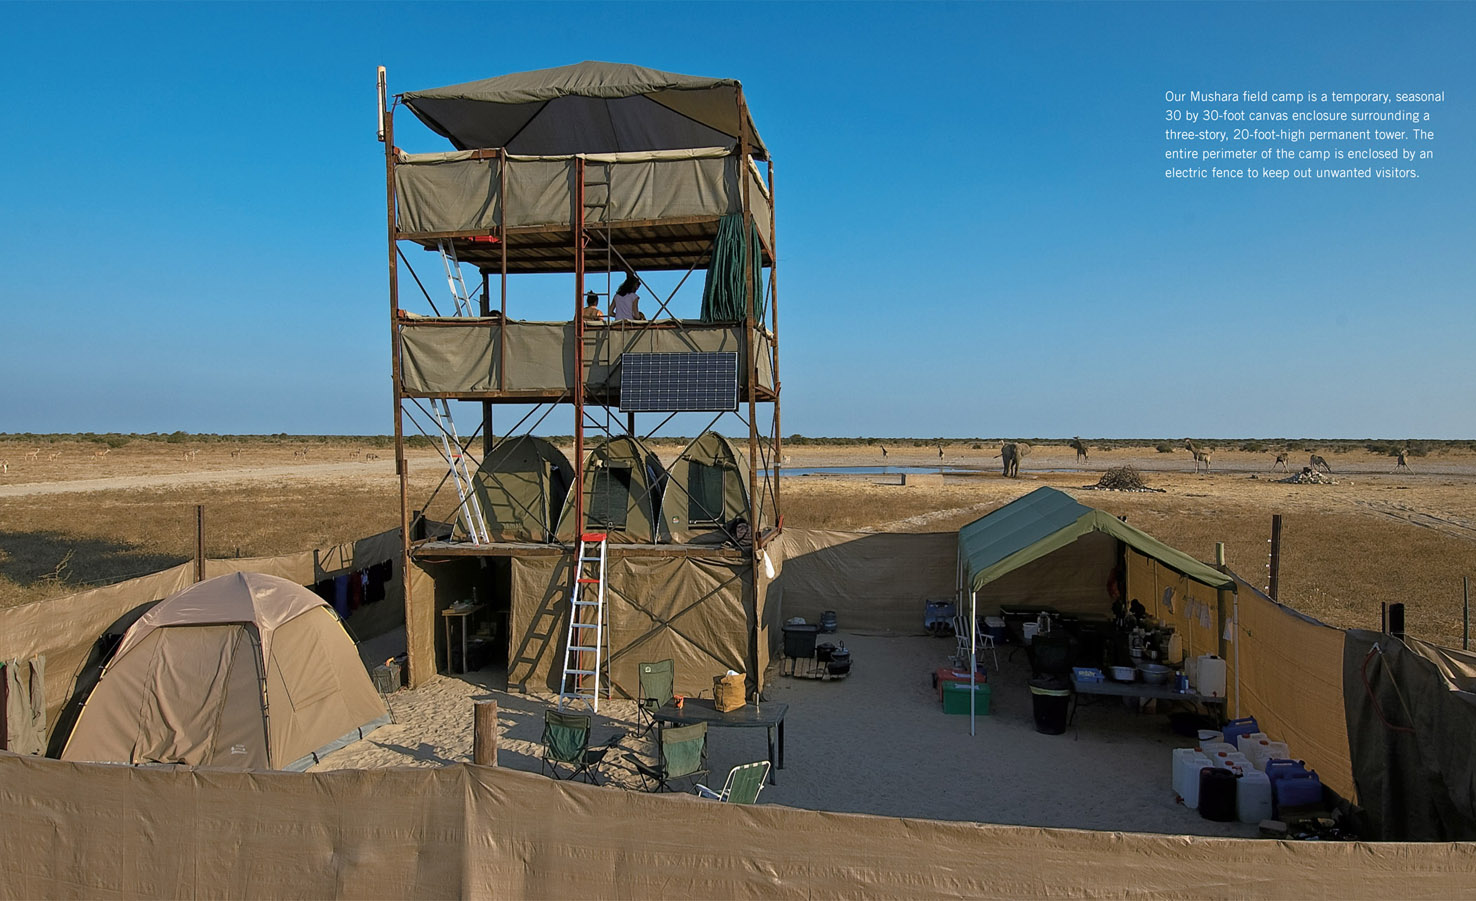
[[470, 507], [584, 650], [454, 280]]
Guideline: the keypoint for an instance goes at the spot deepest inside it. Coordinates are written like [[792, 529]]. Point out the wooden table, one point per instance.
[[765, 714], [463, 614]]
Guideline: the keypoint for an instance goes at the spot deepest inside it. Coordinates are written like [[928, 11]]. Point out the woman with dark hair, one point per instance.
[[626, 302]]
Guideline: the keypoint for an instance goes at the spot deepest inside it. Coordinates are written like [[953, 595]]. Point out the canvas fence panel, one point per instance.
[[1412, 727], [481, 832], [1193, 609], [66, 629], [1290, 678], [875, 582]]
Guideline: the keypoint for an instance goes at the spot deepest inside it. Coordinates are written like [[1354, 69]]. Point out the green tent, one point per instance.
[[622, 494], [1046, 520], [705, 491], [522, 485]]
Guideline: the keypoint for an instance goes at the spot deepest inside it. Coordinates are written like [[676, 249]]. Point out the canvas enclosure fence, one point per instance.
[[457, 356], [481, 832]]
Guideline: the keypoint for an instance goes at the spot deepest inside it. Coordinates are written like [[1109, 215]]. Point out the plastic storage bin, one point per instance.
[[956, 698], [799, 639]]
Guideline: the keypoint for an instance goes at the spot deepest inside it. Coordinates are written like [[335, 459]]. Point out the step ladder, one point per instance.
[[584, 650], [471, 509], [454, 280]]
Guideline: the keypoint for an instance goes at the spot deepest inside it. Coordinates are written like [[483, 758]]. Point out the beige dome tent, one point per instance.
[[705, 491], [622, 494], [245, 671], [522, 485]]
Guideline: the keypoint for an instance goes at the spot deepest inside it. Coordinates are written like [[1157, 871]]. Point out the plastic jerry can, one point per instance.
[[1253, 798], [1187, 764], [1211, 748], [1244, 743], [1217, 794], [1278, 767], [1243, 726], [1273, 750], [1296, 789], [1209, 675]]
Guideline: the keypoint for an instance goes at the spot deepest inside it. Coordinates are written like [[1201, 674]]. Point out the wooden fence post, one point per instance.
[[484, 733]]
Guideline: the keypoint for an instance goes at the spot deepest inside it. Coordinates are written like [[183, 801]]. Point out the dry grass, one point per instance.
[[1374, 537]]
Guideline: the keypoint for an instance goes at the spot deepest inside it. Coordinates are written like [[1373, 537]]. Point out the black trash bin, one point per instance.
[[799, 640], [1051, 696]]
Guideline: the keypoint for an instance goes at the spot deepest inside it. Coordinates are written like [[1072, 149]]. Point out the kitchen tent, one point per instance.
[[521, 485], [243, 671]]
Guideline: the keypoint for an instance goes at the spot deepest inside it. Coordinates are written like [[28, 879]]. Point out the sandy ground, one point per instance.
[[876, 742]]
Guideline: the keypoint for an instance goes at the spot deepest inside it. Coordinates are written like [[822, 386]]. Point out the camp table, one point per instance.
[[1138, 690], [765, 714], [464, 613]]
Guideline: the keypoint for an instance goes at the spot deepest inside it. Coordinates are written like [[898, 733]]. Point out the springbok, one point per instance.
[[188, 455], [1081, 450], [1201, 455], [1318, 461], [236, 452], [99, 454], [1281, 459], [300, 452], [33, 454], [53, 455]]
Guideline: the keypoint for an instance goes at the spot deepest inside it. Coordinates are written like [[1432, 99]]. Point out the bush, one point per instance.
[[1254, 447], [1163, 447], [177, 437]]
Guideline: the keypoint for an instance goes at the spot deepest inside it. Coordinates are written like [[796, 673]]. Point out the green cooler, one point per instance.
[[956, 698]]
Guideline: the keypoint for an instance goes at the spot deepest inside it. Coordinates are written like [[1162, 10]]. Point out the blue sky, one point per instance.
[[975, 234]]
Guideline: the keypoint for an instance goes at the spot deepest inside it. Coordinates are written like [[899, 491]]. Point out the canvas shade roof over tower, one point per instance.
[[588, 107], [522, 484], [706, 488], [622, 494], [243, 671]]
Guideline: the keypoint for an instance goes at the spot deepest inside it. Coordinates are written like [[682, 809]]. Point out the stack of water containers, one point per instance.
[[1267, 779]]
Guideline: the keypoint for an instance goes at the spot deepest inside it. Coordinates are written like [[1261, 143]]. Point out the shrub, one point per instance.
[[1163, 447], [177, 437]]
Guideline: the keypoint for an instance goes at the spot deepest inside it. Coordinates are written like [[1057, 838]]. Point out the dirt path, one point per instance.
[[298, 472]]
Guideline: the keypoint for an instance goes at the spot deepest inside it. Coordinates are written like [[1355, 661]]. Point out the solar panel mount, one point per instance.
[[699, 381]]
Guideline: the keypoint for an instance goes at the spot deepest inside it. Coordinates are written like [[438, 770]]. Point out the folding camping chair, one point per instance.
[[681, 752], [566, 743], [985, 642], [656, 682], [743, 784]]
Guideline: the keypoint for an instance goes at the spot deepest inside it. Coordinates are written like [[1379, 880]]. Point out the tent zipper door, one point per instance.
[[583, 653]]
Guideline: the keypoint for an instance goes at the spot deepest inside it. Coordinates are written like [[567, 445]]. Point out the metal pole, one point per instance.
[[487, 436], [199, 543], [1466, 613], [750, 325], [1275, 583], [1396, 621], [579, 360]]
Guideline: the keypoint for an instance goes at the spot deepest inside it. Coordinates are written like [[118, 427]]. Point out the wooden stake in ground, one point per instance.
[[484, 733], [1274, 586], [199, 542]]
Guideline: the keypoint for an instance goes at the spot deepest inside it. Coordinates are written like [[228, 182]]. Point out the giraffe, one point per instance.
[[1317, 461], [1081, 450], [1201, 455], [1402, 463], [1281, 459], [884, 451]]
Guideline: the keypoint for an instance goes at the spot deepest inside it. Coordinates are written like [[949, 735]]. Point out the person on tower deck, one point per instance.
[[592, 308], [626, 302]]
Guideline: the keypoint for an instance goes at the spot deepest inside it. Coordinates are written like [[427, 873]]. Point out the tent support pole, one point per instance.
[[199, 543]]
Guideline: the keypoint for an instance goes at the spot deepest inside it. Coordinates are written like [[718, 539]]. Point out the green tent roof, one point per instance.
[[1046, 520]]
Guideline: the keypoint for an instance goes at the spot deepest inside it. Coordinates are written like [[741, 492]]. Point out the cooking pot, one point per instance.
[[840, 662], [824, 652]]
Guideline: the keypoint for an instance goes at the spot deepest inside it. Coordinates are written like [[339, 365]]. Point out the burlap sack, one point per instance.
[[727, 692]]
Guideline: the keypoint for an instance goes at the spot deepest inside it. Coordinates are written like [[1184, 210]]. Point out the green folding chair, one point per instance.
[[743, 785], [682, 753], [566, 744], [656, 686]]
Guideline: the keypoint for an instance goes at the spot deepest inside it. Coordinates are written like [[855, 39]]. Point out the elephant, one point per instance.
[[1011, 454]]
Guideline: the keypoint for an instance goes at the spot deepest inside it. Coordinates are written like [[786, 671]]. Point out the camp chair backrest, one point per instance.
[[566, 735], [746, 781], [682, 749], [656, 683]]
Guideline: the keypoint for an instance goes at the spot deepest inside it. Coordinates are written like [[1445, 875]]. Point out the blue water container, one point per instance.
[[1243, 726]]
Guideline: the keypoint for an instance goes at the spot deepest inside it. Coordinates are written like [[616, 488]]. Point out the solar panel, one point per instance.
[[679, 382]]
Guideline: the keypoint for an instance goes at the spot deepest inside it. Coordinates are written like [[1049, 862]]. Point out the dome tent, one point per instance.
[[243, 671], [705, 491], [521, 485], [622, 494]]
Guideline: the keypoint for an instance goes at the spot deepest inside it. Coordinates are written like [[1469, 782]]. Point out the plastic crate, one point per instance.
[[956, 698]]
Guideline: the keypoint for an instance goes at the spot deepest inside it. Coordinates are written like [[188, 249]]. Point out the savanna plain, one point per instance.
[[77, 511]]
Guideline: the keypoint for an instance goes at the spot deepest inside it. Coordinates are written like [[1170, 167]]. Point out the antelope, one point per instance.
[[300, 452], [236, 452], [1201, 455], [353, 455], [33, 454], [371, 456], [4, 467], [188, 455], [1318, 461], [53, 455], [1081, 450], [99, 454], [1281, 459]]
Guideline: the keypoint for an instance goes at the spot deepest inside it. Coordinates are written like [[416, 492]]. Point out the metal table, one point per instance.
[[464, 614], [1139, 690], [766, 714]]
